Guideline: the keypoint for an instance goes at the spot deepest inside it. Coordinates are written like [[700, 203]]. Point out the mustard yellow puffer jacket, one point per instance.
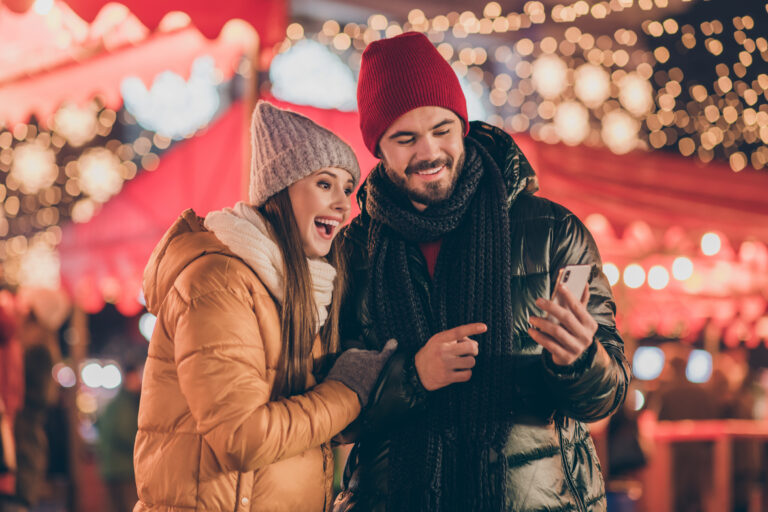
[[209, 437]]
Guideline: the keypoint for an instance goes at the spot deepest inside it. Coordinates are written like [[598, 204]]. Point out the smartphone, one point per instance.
[[575, 278]]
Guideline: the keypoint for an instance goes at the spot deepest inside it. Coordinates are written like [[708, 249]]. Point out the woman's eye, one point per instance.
[[348, 191], [324, 185]]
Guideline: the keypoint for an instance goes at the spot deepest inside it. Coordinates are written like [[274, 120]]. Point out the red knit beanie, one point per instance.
[[400, 74]]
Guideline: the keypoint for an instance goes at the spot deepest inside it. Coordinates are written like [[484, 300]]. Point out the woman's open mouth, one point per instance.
[[326, 227]]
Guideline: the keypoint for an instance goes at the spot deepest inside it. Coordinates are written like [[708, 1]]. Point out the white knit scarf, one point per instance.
[[245, 232]]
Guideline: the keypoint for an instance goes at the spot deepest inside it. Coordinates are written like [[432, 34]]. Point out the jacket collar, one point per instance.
[[518, 174]]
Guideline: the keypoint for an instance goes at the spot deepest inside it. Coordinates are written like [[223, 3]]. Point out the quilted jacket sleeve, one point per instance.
[[595, 385], [222, 371]]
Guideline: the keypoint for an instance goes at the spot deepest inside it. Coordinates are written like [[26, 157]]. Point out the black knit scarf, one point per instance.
[[449, 457]]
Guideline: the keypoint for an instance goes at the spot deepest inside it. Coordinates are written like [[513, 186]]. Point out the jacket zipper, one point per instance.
[[238, 489], [568, 478]]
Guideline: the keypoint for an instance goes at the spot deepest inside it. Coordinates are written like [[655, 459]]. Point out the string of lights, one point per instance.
[[68, 168], [65, 172], [626, 91]]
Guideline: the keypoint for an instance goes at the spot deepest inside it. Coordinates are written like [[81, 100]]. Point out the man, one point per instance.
[[450, 234]]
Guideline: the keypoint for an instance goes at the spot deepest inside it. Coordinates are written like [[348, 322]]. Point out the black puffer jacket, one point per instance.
[[550, 455]]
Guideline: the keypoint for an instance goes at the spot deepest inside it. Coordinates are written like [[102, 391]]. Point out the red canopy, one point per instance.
[[56, 57], [106, 256], [658, 188], [268, 17], [41, 95]]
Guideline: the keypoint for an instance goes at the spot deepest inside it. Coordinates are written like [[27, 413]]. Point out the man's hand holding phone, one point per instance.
[[567, 329]]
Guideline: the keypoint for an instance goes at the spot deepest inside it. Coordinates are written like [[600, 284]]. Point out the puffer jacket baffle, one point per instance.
[[209, 437]]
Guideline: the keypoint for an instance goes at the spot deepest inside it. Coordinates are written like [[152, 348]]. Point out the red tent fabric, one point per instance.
[[658, 188], [30, 42], [106, 256], [50, 58]]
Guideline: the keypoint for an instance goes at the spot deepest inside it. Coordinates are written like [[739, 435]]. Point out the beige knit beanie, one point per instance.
[[287, 147]]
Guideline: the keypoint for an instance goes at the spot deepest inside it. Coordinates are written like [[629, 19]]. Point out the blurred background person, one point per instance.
[[117, 428], [735, 387], [627, 456], [11, 399], [40, 352], [680, 399]]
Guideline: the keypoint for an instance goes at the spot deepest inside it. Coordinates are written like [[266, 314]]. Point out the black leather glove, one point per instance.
[[359, 369]]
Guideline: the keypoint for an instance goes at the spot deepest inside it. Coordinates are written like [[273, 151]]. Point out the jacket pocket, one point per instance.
[[168, 468]]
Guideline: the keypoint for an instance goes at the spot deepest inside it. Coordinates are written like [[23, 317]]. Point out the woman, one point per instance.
[[231, 417]]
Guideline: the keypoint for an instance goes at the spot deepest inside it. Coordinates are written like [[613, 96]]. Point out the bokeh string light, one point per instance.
[[722, 111], [627, 90], [65, 172], [66, 167]]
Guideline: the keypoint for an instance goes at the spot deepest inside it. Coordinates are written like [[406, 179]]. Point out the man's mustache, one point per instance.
[[426, 165]]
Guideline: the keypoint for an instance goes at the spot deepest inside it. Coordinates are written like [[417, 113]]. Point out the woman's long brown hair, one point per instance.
[[298, 313]]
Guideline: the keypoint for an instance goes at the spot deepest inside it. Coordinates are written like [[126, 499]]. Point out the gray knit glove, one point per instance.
[[359, 369]]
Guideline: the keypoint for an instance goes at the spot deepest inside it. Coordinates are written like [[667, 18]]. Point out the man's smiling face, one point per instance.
[[423, 152]]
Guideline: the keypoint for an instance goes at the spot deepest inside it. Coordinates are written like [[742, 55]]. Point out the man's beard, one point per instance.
[[434, 192]]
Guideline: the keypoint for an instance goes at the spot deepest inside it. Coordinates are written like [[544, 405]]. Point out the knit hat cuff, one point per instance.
[[270, 177], [379, 122]]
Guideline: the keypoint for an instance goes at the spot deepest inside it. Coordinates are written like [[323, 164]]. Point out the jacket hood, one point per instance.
[[518, 174], [185, 241]]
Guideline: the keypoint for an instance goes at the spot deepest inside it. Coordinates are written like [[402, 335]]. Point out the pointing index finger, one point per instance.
[[462, 331]]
